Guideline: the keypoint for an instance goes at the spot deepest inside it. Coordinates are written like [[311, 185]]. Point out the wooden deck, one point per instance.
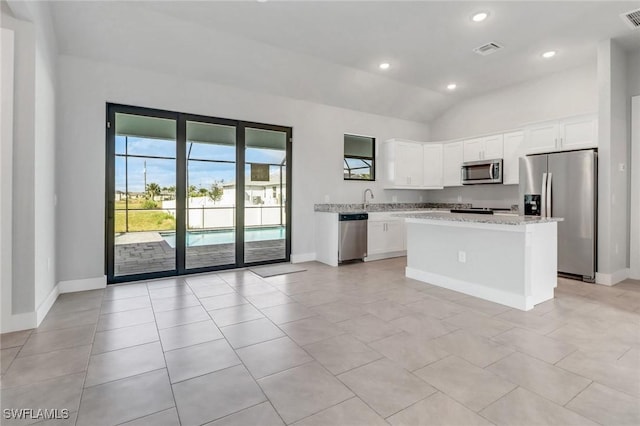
[[157, 256]]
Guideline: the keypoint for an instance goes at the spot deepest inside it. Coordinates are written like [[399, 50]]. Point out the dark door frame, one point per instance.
[[181, 190]]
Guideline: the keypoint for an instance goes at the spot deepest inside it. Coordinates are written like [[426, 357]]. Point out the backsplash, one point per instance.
[[382, 207]]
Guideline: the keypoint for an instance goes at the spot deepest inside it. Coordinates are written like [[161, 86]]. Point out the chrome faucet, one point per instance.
[[364, 197]]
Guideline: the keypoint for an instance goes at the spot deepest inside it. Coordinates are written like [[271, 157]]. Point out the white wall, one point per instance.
[[23, 285], [6, 171], [613, 162], [566, 93], [633, 73], [500, 196], [33, 277], [45, 153], [86, 86], [634, 233], [563, 94], [633, 87]]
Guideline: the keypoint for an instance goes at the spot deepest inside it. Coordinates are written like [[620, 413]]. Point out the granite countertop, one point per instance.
[[497, 219], [386, 207]]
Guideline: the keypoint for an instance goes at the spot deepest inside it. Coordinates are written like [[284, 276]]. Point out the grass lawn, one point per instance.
[[143, 220]]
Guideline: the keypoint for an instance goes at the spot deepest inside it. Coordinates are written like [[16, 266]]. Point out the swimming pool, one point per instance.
[[207, 238]]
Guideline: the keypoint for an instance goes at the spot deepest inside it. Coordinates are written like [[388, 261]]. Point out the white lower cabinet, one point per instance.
[[385, 236]]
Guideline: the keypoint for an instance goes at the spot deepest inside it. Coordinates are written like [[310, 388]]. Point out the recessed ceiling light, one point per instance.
[[452, 86], [262, 1], [479, 17], [549, 54], [384, 66]]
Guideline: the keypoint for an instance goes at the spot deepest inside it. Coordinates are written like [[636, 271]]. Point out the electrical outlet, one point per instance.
[[459, 198], [327, 198], [421, 198], [617, 249], [394, 198], [462, 256], [622, 167]]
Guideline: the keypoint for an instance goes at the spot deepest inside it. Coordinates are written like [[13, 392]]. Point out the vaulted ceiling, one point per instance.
[[329, 52]]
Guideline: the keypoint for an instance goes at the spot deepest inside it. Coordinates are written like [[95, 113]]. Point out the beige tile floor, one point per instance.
[[355, 345]]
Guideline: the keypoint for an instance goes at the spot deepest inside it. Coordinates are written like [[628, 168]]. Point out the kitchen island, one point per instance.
[[507, 259]]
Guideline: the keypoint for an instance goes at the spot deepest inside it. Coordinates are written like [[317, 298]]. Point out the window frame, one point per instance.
[[364, 159]]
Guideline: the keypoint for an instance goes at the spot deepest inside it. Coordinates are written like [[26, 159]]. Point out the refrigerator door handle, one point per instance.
[[543, 196], [548, 197]]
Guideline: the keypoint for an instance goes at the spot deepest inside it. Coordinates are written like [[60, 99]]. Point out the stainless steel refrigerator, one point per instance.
[[564, 184]]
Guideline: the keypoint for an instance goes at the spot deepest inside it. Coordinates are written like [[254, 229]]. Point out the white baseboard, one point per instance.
[[512, 300], [303, 257], [82, 284], [614, 278], [46, 305], [385, 255], [28, 320], [18, 322]]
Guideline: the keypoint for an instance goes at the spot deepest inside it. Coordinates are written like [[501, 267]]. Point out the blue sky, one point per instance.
[[162, 171]]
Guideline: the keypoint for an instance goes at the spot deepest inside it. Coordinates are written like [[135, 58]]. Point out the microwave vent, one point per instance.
[[632, 18], [487, 49]]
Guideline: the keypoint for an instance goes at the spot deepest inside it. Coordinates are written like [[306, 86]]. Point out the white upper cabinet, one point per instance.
[[452, 158], [512, 152], [579, 133], [492, 147], [542, 137], [562, 135], [404, 164], [432, 154], [473, 150], [486, 148], [412, 165]]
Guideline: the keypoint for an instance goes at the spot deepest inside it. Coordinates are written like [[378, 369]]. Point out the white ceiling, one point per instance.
[[329, 52]]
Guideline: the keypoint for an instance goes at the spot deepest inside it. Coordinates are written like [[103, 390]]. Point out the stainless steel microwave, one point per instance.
[[483, 171]]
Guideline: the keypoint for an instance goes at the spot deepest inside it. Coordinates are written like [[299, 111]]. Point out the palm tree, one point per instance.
[[153, 189]]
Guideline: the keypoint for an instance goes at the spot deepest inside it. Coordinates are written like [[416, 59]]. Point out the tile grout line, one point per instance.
[[86, 371], [235, 351], [164, 357]]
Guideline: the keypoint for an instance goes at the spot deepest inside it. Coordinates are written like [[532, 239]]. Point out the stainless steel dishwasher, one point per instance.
[[353, 236]]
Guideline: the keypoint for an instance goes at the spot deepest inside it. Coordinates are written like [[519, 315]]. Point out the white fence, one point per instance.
[[205, 215]]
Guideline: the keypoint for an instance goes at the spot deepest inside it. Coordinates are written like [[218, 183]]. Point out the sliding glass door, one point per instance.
[[211, 202], [265, 193], [188, 193], [142, 205]]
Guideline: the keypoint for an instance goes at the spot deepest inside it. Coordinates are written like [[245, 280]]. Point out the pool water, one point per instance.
[[207, 238]]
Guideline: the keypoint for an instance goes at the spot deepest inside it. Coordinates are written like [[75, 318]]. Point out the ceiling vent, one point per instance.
[[487, 49], [632, 18]]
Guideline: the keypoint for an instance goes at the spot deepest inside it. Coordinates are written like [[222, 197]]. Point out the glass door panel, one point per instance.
[[265, 195], [211, 195], [144, 199]]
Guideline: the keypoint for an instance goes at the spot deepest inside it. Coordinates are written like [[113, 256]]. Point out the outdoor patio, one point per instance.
[[155, 256]]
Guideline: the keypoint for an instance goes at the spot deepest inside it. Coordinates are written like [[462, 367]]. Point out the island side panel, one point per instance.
[[542, 244], [326, 234], [499, 266]]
